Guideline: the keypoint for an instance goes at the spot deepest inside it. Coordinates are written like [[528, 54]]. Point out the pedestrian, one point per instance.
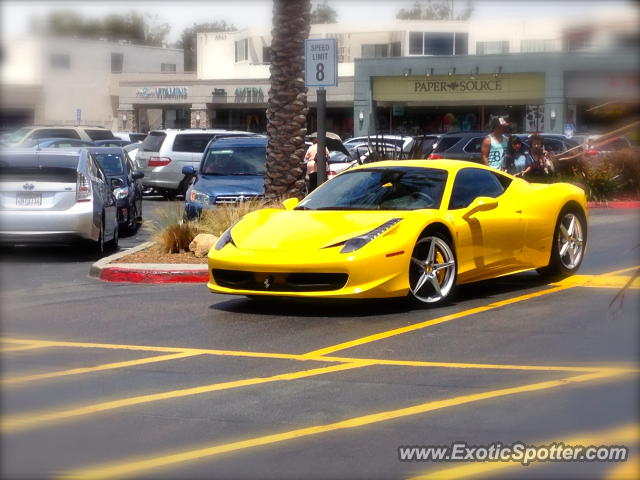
[[517, 161], [541, 165], [310, 159], [494, 146]]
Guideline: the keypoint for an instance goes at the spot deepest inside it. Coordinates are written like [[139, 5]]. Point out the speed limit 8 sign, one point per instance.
[[320, 62]]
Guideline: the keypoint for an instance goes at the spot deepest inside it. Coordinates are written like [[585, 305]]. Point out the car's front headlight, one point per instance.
[[356, 243], [200, 197], [121, 193], [225, 238]]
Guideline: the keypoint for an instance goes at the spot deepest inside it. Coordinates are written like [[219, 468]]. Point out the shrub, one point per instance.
[[627, 163], [601, 181], [173, 233]]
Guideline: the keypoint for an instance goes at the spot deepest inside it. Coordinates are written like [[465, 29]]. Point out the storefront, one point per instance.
[[437, 104]]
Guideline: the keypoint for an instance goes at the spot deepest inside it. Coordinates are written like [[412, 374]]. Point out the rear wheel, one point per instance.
[[569, 242], [432, 271]]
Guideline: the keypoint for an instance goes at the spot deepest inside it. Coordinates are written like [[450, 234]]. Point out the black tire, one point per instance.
[[432, 270], [568, 244], [132, 221]]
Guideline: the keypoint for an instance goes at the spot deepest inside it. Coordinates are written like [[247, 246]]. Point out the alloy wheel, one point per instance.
[[570, 241], [432, 271]]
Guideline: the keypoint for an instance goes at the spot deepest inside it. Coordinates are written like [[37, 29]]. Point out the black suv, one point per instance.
[[459, 146]]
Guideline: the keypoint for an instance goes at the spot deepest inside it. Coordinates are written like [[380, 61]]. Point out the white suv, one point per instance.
[[163, 154], [25, 134]]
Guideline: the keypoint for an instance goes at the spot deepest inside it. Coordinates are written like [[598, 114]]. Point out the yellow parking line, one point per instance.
[[629, 470], [97, 368], [133, 466], [21, 348], [618, 368], [623, 270], [321, 358], [435, 321], [31, 420], [626, 433], [147, 348], [601, 281]]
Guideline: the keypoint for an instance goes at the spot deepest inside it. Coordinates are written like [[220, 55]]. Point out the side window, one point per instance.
[[445, 143], [471, 183], [553, 146], [194, 143], [474, 145]]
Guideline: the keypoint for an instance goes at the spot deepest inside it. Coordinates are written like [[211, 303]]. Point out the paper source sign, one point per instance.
[[320, 62]]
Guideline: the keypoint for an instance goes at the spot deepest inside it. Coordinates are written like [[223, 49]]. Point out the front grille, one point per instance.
[[223, 199], [279, 282]]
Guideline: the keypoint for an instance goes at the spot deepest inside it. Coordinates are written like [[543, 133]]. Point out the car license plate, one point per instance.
[[29, 199]]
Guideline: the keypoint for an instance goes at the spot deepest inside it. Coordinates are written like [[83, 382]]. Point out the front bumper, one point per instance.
[[29, 226], [370, 274]]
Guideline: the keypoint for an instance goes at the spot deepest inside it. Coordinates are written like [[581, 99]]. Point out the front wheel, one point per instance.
[[432, 271], [569, 242]]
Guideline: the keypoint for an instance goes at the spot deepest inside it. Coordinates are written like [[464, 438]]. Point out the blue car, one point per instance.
[[231, 170]]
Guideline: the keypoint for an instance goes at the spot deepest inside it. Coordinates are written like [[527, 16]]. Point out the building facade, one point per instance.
[[50, 80]]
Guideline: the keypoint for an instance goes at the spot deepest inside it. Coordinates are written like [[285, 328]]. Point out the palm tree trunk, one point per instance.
[[287, 106]]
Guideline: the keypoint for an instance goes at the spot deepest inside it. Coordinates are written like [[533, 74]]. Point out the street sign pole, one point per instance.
[[321, 158], [321, 70]]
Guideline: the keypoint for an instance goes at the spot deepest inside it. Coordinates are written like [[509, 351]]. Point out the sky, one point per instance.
[[257, 13]]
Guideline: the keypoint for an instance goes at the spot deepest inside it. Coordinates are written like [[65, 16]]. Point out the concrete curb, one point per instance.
[[615, 204], [104, 269]]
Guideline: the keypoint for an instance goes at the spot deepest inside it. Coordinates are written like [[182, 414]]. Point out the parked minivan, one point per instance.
[[232, 170], [57, 195], [163, 154]]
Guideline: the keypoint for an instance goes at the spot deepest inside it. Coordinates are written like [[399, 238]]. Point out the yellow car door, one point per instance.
[[488, 224]]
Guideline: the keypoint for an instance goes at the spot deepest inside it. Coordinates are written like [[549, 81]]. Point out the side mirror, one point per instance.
[[188, 170], [290, 203], [481, 204], [117, 183], [137, 175]]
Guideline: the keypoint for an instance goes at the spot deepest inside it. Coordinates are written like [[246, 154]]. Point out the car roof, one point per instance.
[[117, 150], [444, 164], [239, 142]]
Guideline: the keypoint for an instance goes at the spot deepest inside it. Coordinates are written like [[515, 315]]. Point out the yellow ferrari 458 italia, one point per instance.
[[399, 228]]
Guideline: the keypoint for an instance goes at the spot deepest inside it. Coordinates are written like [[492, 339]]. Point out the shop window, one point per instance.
[[167, 67], [60, 61], [461, 44], [396, 49], [535, 45], [438, 43], [492, 48], [266, 54], [242, 50], [415, 43], [117, 62], [373, 50]]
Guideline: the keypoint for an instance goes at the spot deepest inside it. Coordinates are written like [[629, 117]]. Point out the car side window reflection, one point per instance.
[[471, 183]]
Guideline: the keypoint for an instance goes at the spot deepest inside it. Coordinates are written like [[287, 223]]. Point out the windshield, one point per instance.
[[111, 163], [235, 161], [15, 137], [399, 188]]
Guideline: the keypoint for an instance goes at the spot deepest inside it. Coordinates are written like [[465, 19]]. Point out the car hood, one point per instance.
[[289, 230], [230, 184]]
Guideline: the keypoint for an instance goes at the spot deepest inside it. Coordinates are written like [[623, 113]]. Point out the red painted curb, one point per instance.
[[115, 274], [615, 204]]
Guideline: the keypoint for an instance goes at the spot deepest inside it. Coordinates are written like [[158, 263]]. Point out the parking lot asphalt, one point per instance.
[[107, 380]]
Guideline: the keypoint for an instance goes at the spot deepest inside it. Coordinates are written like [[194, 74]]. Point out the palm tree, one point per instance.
[[287, 106]]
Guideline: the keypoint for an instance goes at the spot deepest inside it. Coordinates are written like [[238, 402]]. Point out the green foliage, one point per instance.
[[627, 163], [601, 181], [436, 10], [189, 36], [323, 13], [132, 26]]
